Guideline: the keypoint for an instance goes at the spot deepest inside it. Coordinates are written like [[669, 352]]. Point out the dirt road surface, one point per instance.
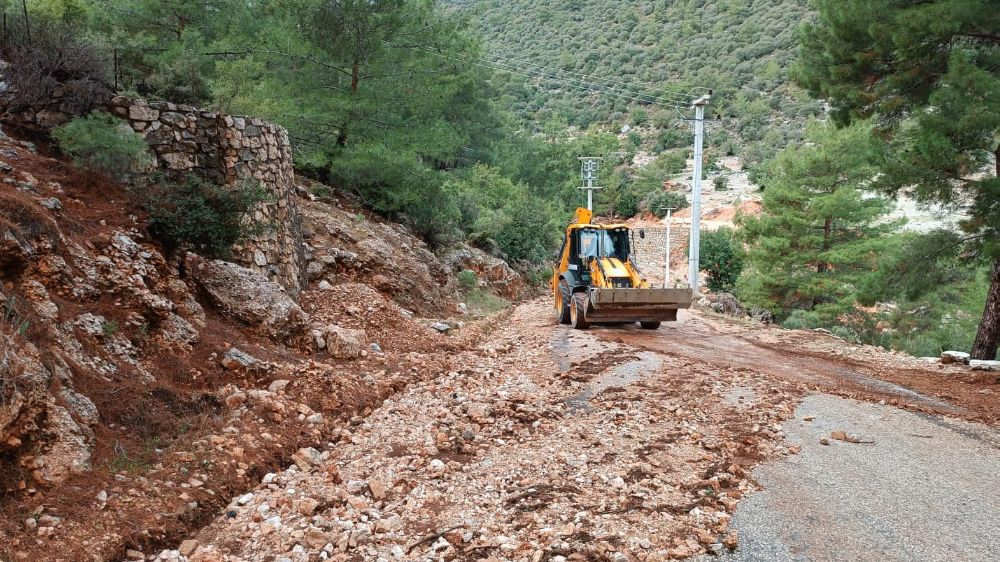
[[548, 444]]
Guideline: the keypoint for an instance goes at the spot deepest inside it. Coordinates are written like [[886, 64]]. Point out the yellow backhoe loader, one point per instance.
[[597, 280]]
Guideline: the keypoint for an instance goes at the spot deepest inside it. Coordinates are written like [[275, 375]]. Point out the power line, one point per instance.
[[541, 73], [645, 85], [660, 103], [568, 82], [623, 89]]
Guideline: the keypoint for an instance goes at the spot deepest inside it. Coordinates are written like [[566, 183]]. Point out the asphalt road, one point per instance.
[[925, 490]]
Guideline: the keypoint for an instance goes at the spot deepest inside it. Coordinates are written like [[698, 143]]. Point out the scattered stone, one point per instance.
[[954, 357], [824, 441], [839, 435], [188, 547], [441, 327], [308, 506], [984, 365], [51, 203], [344, 343], [377, 489], [246, 295], [236, 359], [278, 385], [307, 458]]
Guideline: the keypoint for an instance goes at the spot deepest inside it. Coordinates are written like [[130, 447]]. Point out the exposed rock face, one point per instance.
[[491, 271], [248, 296], [46, 425], [343, 246], [49, 434]]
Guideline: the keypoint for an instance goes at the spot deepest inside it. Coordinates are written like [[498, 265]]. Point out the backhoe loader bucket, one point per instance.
[[636, 305]]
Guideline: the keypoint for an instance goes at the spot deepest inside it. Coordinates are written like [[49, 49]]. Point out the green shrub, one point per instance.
[[722, 258], [720, 182], [321, 191], [467, 279], [203, 217], [801, 319], [103, 142], [673, 138], [627, 205], [657, 202], [483, 302]]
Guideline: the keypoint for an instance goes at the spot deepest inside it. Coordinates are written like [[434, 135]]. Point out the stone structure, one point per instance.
[[648, 252], [226, 150]]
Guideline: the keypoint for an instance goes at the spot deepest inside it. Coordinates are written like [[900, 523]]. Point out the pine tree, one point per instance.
[[820, 231], [929, 73]]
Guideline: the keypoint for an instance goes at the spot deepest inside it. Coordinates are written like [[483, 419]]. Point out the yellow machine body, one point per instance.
[[597, 280]]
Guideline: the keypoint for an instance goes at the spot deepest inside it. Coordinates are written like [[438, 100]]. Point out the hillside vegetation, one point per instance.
[[587, 58]]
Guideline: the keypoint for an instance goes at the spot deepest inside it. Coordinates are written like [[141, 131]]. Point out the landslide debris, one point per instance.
[[139, 390], [489, 461]]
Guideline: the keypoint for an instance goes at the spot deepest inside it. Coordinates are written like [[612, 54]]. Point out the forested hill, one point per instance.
[[741, 49]]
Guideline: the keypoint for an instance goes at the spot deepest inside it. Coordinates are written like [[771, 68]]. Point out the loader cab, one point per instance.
[[591, 242], [587, 242]]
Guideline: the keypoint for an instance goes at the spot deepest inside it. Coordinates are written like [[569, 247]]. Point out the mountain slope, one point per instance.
[[741, 50]]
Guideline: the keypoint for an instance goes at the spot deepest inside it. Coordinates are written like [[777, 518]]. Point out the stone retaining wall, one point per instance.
[[228, 149], [649, 252]]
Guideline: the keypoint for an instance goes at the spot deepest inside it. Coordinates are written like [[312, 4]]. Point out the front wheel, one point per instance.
[[649, 325], [578, 312], [563, 303]]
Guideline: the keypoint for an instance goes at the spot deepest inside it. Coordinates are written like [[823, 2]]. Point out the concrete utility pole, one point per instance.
[[666, 263], [588, 171], [695, 243]]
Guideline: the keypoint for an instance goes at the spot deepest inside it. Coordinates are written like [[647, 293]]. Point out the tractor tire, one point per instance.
[[563, 303], [649, 325], [578, 312]]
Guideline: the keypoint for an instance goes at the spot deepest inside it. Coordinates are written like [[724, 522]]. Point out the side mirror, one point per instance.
[[642, 233]]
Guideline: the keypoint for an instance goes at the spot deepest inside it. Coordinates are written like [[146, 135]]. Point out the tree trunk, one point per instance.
[[355, 78], [827, 233], [988, 335]]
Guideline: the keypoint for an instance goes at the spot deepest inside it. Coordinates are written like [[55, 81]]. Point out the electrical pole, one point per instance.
[[695, 242], [588, 171], [666, 262]]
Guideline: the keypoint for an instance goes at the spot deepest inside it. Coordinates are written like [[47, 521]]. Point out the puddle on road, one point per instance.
[[622, 375]]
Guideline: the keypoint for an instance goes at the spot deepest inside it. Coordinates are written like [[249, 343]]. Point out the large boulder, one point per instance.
[[729, 305], [246, 295]]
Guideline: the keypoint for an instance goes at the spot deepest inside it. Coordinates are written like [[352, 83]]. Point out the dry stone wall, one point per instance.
[[649, 252], [227, 150]]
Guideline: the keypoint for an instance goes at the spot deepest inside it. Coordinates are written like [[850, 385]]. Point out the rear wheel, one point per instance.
[[649, 325], [578, 312], [563, 303]]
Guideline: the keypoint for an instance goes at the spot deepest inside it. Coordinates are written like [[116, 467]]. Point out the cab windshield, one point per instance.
[[604, 243]]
